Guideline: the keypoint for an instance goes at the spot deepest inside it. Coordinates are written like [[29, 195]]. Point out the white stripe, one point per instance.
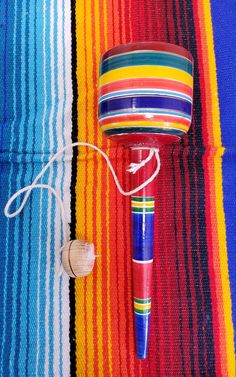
[[142, 261]]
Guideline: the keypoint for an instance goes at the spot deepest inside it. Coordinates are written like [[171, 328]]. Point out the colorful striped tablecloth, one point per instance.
[[53, 326]]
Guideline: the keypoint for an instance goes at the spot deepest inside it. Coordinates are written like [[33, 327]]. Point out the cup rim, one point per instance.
[[150, 45]]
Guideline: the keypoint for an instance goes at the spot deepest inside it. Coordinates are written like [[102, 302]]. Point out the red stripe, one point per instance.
[[105, 246], [142, 280], [171, 25], [170, 120], [198, 215], [128, 304], [170, 275], [144, 139], [146, 83], [162, 298]]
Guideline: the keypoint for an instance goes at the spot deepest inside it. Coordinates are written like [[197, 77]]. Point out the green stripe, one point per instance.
[[141, 210], [147, 58], [144, 311], [143, 199], [142, 301], [145, 130]]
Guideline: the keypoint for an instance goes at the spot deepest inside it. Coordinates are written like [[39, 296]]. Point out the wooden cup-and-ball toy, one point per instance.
[[145, 101]]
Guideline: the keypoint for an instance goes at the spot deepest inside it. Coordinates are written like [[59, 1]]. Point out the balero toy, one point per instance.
[[145, 102]]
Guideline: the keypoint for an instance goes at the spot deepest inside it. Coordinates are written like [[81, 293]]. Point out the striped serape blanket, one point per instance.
[[51, 325]]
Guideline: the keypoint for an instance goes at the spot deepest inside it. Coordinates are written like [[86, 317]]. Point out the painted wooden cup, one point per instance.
[[145, 100]]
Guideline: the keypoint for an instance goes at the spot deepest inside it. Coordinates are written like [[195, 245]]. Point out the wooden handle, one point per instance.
[[142, 207]]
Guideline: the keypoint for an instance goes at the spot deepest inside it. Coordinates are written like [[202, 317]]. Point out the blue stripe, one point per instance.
[[142, 229], [157, 102], [142, 328]]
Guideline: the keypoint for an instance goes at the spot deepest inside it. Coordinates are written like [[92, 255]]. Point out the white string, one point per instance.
[[133, 168]]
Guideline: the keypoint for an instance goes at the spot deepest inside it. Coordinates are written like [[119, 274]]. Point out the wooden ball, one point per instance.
[[78, 258]]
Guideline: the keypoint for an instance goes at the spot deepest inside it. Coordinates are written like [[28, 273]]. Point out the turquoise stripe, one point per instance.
[[144, 91], [143, 111], [146, 58]]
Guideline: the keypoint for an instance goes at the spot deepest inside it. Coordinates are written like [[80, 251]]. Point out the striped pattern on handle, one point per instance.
[[143, 228]]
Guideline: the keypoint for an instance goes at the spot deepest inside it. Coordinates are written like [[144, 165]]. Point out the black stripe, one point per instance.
[[175, 22], [74, 134], [186, 263], [178, 275]]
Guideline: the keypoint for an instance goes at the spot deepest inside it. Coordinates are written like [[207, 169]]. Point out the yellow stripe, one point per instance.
[[83, 101], [138, 123], [142, 306], [142, 204], [147, 72], [224, 274]]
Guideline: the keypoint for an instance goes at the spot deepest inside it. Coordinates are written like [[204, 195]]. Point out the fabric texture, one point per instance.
[[56, 326]]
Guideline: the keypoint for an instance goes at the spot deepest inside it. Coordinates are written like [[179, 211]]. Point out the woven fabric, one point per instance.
[[53, 326]]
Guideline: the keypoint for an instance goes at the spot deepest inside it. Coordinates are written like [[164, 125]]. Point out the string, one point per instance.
[[133, 168]]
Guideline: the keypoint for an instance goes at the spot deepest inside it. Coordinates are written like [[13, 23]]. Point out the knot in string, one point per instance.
[[135, 166]]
